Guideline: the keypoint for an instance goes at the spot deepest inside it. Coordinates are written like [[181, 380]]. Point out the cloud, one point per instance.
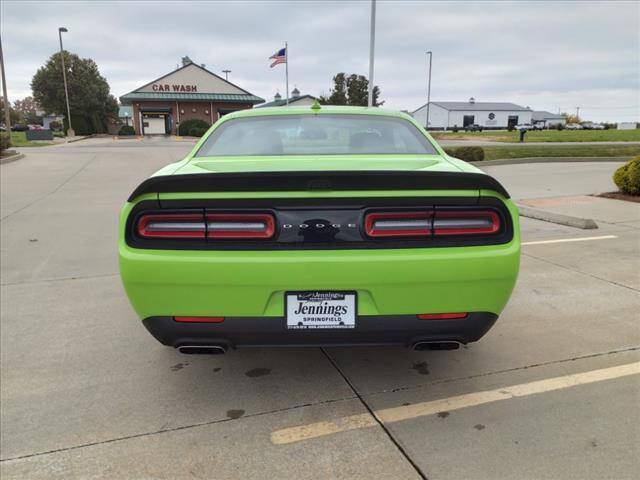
[[548, 55]]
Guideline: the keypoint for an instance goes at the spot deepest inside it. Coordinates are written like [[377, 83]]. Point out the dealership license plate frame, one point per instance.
[[349, 296]]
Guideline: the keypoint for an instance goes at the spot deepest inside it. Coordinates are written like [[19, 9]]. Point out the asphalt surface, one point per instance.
[[552, 391], [488, 143]]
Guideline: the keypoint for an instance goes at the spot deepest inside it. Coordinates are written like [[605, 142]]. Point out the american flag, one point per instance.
[[280, 57]]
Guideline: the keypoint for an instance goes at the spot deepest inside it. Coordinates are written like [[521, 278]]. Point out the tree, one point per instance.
[[91, 104], [351, 90], [27, 109], [13, 115], [571, 118]]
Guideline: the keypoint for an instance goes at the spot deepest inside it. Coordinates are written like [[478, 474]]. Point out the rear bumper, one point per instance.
[[271, 331]]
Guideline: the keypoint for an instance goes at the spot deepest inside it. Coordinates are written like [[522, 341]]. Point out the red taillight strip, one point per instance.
[[199, 319], [241, 225], [398, 224], [465, 222], [441, 316], [187, 225]]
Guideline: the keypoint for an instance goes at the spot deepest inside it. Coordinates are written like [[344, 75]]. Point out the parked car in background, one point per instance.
[[473, 128], [35, 127], [524, 126], [597, 126], [19, 128], [574, 126]]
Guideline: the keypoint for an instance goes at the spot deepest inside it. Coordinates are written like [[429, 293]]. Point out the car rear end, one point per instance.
[[426, 259]]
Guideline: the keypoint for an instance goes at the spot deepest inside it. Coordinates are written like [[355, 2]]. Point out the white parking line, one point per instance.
[[562, 240], [396, 414]]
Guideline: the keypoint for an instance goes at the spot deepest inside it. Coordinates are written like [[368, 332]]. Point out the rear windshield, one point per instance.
[[315, 135]]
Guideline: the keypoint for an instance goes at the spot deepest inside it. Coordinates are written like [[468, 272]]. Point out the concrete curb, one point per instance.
[[79, 139], [12, 158], [576, 222], [516, 161]]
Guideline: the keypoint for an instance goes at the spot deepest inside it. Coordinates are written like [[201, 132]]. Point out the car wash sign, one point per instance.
[[166, 87]]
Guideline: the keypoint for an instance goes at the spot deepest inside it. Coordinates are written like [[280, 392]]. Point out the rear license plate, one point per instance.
[[311, 310]]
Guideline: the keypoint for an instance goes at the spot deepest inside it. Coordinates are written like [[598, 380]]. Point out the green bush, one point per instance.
[[468, 154], [559, 126], [55, 125], [126, 130], [185, 127], [197, 132], [5, 141], [627, 177]]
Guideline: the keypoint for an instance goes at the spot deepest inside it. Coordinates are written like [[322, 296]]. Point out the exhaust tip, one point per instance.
[[421, 346], [202, 349]]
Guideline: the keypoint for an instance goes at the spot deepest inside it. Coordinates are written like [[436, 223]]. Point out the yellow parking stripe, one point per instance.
[[397, 414], [563, 240]]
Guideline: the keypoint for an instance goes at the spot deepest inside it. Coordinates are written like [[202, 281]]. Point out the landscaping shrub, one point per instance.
[[55, 125], [468, 154], [5, 141], [627, 177], [197, 132], [185, 127], [126, 130], [559, 126]]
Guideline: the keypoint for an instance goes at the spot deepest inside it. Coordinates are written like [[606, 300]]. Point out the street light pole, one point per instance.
[[429, 89], [70, 132], [7, 108], [372, 44]]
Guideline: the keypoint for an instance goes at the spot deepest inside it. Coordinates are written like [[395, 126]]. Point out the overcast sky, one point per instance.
[[547, 55]]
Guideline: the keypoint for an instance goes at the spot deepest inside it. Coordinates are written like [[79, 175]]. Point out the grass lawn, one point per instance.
[[19, 139], [545, 136], [494, 153]]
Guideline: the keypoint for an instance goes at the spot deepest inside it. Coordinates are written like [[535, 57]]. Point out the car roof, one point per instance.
[[323, 110]]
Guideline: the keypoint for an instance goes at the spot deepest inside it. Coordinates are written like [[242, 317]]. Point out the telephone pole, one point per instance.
[[226, 74]]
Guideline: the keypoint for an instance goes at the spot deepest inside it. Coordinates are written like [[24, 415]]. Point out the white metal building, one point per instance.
[[489, 115], [549, 119]]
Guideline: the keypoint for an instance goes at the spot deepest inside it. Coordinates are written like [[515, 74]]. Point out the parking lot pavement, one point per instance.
[[87, 392]]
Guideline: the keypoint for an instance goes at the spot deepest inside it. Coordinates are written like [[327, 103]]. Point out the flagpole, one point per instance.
[[286, 68]]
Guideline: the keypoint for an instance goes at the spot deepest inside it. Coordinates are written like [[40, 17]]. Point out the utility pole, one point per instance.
[[70, 132], [429, 89], [226, 74], [372, 44], [577, 113], [7, 115]]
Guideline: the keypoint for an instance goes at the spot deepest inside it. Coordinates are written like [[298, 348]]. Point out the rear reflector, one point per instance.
[[199, 319], [171, 226], [471, 222], [398, 224], [242, 225], [441, 316]]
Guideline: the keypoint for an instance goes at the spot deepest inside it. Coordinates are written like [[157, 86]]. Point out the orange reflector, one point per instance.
[[199, 319], [441, 316]]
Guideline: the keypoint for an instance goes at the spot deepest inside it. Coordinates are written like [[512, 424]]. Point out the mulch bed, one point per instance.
[[620, 196]]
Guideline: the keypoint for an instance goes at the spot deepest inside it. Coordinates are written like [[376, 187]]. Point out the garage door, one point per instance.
[[153, 125]]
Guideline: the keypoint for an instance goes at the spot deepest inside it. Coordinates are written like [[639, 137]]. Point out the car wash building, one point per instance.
[[188, 92]]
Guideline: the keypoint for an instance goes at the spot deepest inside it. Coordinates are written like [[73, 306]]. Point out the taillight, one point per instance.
[[398, 224], [241, 225], [199, 319], [441, 316], [460, 222], [181, 225]]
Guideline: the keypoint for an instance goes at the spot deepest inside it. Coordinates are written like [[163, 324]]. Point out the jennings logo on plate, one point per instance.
[[309, 310]]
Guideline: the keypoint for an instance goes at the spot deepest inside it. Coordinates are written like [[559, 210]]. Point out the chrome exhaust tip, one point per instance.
[[202, 349], [448, 345]]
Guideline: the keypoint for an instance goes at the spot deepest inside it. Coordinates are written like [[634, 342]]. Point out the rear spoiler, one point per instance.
[[321, 180]]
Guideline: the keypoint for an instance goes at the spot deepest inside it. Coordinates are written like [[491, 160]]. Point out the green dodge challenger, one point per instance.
[[318, 226]]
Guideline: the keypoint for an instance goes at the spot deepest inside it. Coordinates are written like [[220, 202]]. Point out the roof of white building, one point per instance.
[[543, 115], [479, 106]]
